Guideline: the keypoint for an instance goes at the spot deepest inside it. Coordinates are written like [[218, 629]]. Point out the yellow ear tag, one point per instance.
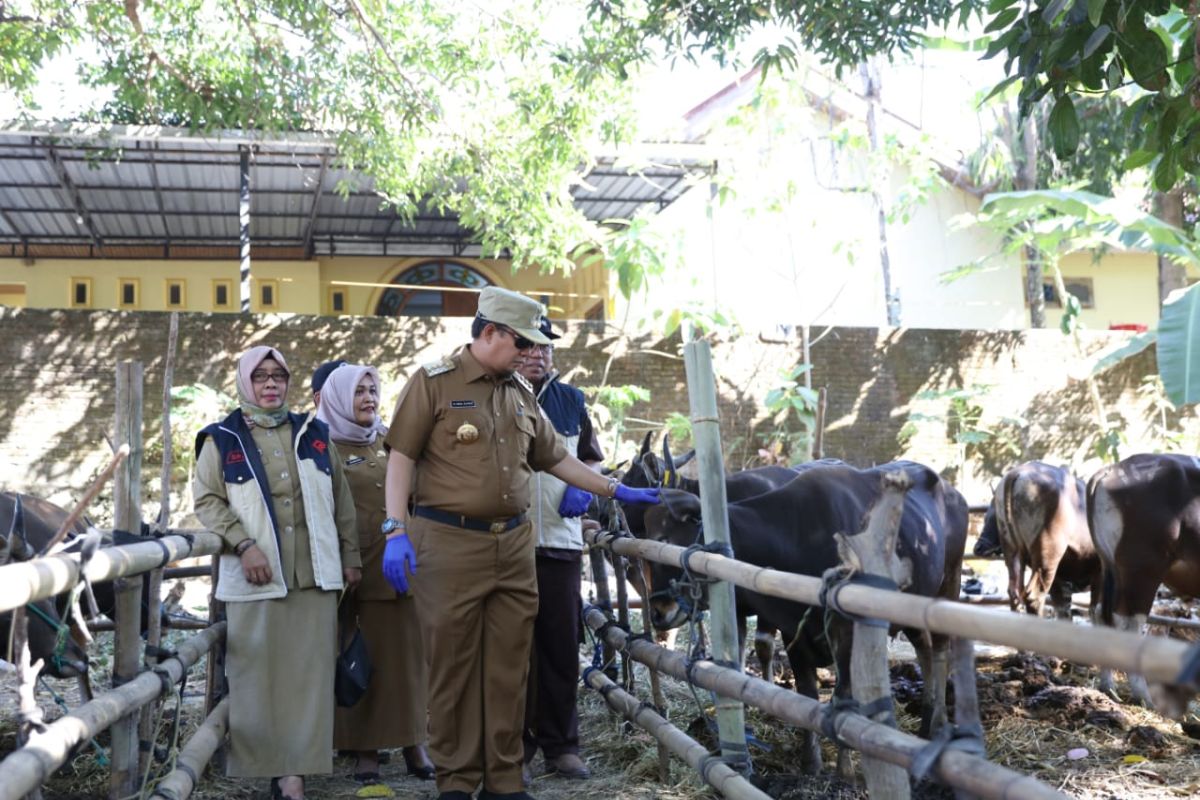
[[466, 433]]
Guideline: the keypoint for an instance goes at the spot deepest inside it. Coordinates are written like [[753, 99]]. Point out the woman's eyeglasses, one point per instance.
[[519, 341], [259, 376]]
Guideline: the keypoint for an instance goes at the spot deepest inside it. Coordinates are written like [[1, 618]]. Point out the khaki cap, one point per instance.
[[522, 314]]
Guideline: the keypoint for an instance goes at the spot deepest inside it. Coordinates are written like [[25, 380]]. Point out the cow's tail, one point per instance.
[[1108, 586]]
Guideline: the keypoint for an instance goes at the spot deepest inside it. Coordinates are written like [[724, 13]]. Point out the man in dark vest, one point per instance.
[[551, 716]]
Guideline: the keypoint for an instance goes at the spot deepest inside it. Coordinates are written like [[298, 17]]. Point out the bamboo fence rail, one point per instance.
[[715, 772], [1159, 659], [47, 576], [25, 769], [955, 768], [195, 755]]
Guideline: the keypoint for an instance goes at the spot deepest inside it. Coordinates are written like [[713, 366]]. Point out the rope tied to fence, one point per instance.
[[835, 579], [833, 711], [968, 739], [61, 634]]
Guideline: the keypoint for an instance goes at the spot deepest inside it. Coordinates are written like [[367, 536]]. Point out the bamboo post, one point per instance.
[[953, 767], [127, 515], [29, 718], [873, 552], [1158, 658], [195, 755], [100, 625], [706, 427], [656, 692], [715, 773], [31, 765], [966, 695], [26, 581]]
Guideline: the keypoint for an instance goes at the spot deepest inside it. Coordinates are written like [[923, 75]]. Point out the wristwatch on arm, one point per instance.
[[392, 525]]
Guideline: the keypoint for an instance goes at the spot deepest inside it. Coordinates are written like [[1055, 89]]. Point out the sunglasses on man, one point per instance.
[[519, 341]]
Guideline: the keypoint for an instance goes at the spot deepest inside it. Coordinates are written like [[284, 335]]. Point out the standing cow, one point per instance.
[[792, 529], [1145, 518], [1039, 517]]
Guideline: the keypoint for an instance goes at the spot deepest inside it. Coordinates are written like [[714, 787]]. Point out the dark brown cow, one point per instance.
[[24, 527], [792, 529], [1145, 518], [1040, 519]]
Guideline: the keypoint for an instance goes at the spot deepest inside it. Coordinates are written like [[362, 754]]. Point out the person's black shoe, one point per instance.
[[488, 795], [456, 795]]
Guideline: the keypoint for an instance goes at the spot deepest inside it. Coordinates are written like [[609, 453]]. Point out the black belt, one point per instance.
[[470, 523]]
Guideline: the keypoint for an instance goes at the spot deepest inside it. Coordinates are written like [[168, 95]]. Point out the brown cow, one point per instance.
[[1040, 515], [1145, 519]]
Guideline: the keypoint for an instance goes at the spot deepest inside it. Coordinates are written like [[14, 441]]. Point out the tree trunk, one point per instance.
[[871, 87], [1027, 179], [1171, 276]]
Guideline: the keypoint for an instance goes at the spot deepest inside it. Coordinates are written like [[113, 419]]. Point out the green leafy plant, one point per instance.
[[609, 406], [793, 407]]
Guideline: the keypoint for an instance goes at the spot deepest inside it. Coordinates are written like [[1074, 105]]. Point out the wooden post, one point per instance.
[[702, 397], [873, 552], [623, 612], [127, 515], [818, 438], [155, 577], [656, 693], [966, 695]]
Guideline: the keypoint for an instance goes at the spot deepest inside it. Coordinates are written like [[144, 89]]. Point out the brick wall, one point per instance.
[[57, 399]]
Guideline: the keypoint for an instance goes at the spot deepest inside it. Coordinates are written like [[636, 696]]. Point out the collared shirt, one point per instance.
[[487, 476]]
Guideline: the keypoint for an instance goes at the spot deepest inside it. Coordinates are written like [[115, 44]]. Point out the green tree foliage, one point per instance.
[[843, 33], [1067, 49], [492, 111]]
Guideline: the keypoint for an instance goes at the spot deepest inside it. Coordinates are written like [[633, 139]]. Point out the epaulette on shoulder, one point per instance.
[[523, 381], [435, 368]]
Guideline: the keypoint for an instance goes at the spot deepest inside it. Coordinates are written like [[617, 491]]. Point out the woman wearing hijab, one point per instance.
[[392, 713], [271, 484]]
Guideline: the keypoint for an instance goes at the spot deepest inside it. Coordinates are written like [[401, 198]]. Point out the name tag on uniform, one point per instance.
[[462, 403], [350, 462]]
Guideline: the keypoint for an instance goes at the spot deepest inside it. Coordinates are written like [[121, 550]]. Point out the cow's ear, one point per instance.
[[684, 506]]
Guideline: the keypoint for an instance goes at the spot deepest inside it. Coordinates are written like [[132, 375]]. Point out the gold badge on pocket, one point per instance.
[[466, 433]]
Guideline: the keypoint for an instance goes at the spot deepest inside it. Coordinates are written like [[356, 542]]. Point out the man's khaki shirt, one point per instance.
[[487, 478]]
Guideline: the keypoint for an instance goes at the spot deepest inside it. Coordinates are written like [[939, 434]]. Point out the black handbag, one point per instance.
[[353, 673]]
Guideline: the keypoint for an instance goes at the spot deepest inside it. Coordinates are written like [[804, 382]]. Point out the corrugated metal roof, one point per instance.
[[162, 190]]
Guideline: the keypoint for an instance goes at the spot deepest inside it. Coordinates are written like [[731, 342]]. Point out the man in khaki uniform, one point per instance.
[[470, 429]]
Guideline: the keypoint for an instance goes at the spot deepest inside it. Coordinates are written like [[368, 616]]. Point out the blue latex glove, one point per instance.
[[574, 502], [628, 494], [399, 561]]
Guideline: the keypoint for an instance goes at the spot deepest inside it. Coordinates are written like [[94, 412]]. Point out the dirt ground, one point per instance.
[[1042, 717]]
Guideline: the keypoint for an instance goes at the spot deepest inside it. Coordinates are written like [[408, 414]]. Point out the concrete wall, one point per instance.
[[56, 404]]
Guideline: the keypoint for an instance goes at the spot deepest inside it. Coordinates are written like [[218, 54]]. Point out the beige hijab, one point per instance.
[[256, 414]]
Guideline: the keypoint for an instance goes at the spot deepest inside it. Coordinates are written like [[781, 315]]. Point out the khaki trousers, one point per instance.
[[476, 597]]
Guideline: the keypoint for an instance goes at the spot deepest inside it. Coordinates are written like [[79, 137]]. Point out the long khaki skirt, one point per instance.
[[392, 713], [279, 663]]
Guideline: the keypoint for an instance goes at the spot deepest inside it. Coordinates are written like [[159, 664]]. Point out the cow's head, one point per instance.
[[988, 543], [674, 521]]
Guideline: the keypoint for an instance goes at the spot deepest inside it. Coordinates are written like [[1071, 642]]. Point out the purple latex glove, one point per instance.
[[574, 502], [628, 494], [399, 561]]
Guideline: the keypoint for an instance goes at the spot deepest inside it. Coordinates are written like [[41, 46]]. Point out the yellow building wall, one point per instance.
[[365, 279], [1124, 288], [303, 286]]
